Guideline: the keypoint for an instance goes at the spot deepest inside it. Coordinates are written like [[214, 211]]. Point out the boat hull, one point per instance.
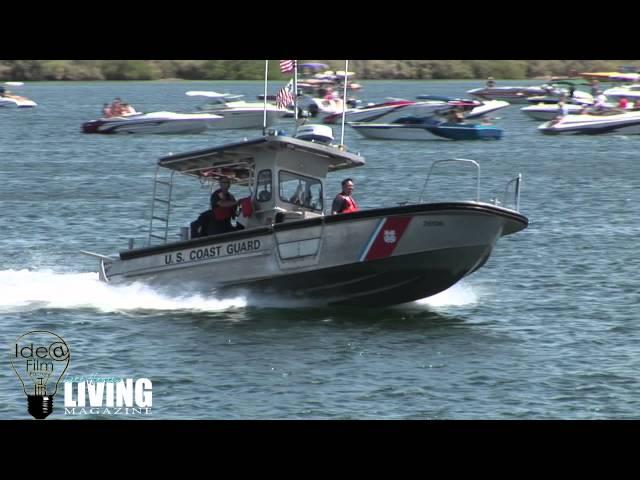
[[389, 113], [17, 102], [393, 131], [548, 112], [622, 124], [153, 123], [244, 119], [461, 131], [373, 257], [513, 95]]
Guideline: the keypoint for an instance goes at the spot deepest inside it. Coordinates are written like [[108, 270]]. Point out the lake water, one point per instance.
[[547, 329]]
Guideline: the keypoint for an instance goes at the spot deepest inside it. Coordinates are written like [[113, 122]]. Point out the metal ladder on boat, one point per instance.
[[160, 208]]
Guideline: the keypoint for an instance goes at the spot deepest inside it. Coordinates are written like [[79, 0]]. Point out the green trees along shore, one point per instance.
[[39, 70]]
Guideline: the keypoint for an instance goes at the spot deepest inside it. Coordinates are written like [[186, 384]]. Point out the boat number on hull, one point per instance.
[[215, 251]]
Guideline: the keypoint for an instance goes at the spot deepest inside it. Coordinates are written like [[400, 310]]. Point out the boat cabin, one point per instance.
[[285, 177]]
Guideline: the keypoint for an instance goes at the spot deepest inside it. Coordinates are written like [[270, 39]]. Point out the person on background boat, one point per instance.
[[7, 94], [330, 95], [127, 109], [623, 102], [455, 116], [106, 110], [563, 110], [601, 101], [344, 202], [491, 82], [116, 107]]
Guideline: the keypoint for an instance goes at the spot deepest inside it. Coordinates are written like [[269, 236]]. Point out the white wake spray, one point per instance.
[[459, 294], [25, 290]]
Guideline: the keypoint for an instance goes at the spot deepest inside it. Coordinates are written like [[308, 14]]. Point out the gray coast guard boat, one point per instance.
[[373, 257]]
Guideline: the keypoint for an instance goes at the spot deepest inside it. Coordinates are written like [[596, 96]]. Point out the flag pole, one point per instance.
[[295, 94], [264, 118], [344, 99]]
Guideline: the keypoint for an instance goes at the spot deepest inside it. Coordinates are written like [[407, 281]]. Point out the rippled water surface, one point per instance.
[[546, 329]]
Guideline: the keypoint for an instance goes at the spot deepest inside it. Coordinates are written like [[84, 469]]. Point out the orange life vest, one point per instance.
[[351, 205], [223, 213]]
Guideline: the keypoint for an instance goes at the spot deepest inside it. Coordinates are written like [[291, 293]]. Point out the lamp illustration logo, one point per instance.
[[39, 359]]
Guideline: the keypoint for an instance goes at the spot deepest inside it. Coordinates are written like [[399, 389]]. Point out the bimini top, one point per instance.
[[236, 160]]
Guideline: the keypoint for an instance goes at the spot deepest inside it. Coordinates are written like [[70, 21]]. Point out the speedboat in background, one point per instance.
[[155, 122], [427, 128], [315, 78], [509, 94], [17, 102], [321, 107], [630, 92], [549, 111], [394, 109], [609, 121], [237, 113], [483, 107], [7, 99], [578, 98]]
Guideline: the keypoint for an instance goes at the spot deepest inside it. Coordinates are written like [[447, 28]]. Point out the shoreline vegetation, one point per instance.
[[84, 70]]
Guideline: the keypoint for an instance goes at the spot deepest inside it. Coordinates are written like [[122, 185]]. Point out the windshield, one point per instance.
[[300, 190]]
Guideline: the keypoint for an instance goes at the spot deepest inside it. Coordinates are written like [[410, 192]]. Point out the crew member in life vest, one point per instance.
[[223, 207], [344, 202]]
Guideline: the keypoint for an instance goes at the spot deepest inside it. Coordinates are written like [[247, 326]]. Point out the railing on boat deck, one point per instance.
[[516, 193], [517, 181], [157, 203], [453, 160]]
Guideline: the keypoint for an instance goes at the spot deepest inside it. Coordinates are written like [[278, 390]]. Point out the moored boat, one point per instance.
[[427, 128], [545, 111], [237, 113], [7, 99], [467, 131], [152, 123], [479, 108], [596, 123], [394, 109], [510, 94]]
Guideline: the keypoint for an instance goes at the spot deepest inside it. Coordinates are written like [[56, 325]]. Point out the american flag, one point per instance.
[[287, 66], [285, 96]]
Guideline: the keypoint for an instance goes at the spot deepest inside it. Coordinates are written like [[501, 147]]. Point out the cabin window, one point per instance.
[[263, 192], [300, 190]]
